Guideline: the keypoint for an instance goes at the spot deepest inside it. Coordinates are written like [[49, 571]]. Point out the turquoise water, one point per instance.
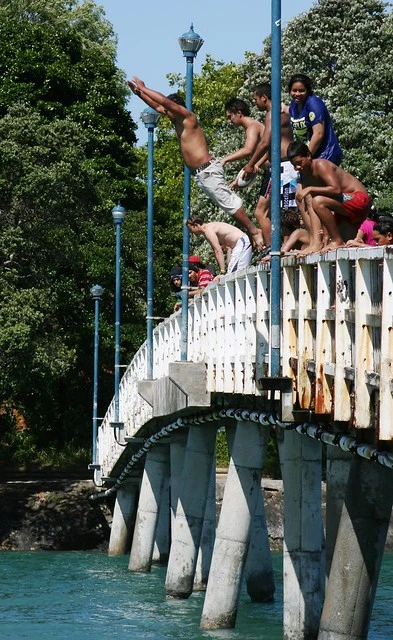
[[83, 595]]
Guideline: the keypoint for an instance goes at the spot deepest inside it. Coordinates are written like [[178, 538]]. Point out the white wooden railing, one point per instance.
[[336, 342]]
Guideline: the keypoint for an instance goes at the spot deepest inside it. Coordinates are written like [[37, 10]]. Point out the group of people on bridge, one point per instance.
[[323, 207]]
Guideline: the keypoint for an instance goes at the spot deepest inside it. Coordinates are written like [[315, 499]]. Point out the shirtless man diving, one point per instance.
[[336, 194], [208, 171]]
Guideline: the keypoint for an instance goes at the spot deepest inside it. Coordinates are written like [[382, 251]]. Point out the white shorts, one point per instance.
[[241, 254], [288, 184], [212, 182]]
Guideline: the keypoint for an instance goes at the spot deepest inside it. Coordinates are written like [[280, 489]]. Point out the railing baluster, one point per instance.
[[262, 325], [386, 375], [289, 334], [337, 333], [363, 345], [240, 335], [305, 333], [323, 341]]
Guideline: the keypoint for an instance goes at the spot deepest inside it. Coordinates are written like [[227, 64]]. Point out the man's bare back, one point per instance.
[[226, 234], [221, 235], [328, 178]]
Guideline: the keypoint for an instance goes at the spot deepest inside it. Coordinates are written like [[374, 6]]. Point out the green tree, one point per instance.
[[66, 155]]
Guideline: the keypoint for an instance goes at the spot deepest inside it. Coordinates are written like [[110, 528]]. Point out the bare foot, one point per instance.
[[312, 248], [257, 240], [332, 246]]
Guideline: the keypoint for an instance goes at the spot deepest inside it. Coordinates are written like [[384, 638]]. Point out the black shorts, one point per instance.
[[265, 189]]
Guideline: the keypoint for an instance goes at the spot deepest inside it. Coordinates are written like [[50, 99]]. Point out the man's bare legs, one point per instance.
[[252, 231], [325, 208], [312, 224], [262, 215]]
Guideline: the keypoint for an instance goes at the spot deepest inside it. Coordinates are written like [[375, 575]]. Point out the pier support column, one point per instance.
[[177, 453], [121, 530], [233, 532], [154, 474], [162, 539], [207, 537], [338, 464], [259, 567], [190, 510], [301, 466], [358, 553], [258, 570]]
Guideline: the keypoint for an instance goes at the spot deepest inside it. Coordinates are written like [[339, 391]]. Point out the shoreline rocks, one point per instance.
[[57, 514], [52, 515]]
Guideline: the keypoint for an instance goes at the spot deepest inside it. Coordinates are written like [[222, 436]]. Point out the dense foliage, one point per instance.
[[66, 156]]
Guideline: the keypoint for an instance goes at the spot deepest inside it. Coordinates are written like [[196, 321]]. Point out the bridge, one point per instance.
[[334, 395]]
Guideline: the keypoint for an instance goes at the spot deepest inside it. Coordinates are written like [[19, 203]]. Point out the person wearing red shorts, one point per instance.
[[336, 194], [355, 204]]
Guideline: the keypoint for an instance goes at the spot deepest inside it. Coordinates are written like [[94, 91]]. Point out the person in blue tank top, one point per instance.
[[311, 121], [312, 124]]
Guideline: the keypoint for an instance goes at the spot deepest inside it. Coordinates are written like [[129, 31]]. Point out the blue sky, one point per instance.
[[148, 32]]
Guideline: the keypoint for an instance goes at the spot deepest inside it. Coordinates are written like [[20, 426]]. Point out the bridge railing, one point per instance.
[[336, 342]]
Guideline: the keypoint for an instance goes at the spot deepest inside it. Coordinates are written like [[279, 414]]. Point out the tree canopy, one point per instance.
[[66, 157]]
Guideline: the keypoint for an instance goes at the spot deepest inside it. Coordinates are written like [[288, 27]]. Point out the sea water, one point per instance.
[[83, 595]]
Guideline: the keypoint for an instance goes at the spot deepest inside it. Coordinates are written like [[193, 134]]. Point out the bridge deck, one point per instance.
[[336, 347]]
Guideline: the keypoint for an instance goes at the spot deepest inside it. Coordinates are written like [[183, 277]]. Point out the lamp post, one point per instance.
[[275, 294], [118, 215], [150, 119], [96, 292], [190, 43]]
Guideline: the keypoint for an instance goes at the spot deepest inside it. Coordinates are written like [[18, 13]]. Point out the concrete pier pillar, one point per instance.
[[207, 537], [300, 459], [338, 464], [154, 474], [190, 510], [162, 538], [258, 571], [123, 518], [233, 531], [358, 553], [177, 453]]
